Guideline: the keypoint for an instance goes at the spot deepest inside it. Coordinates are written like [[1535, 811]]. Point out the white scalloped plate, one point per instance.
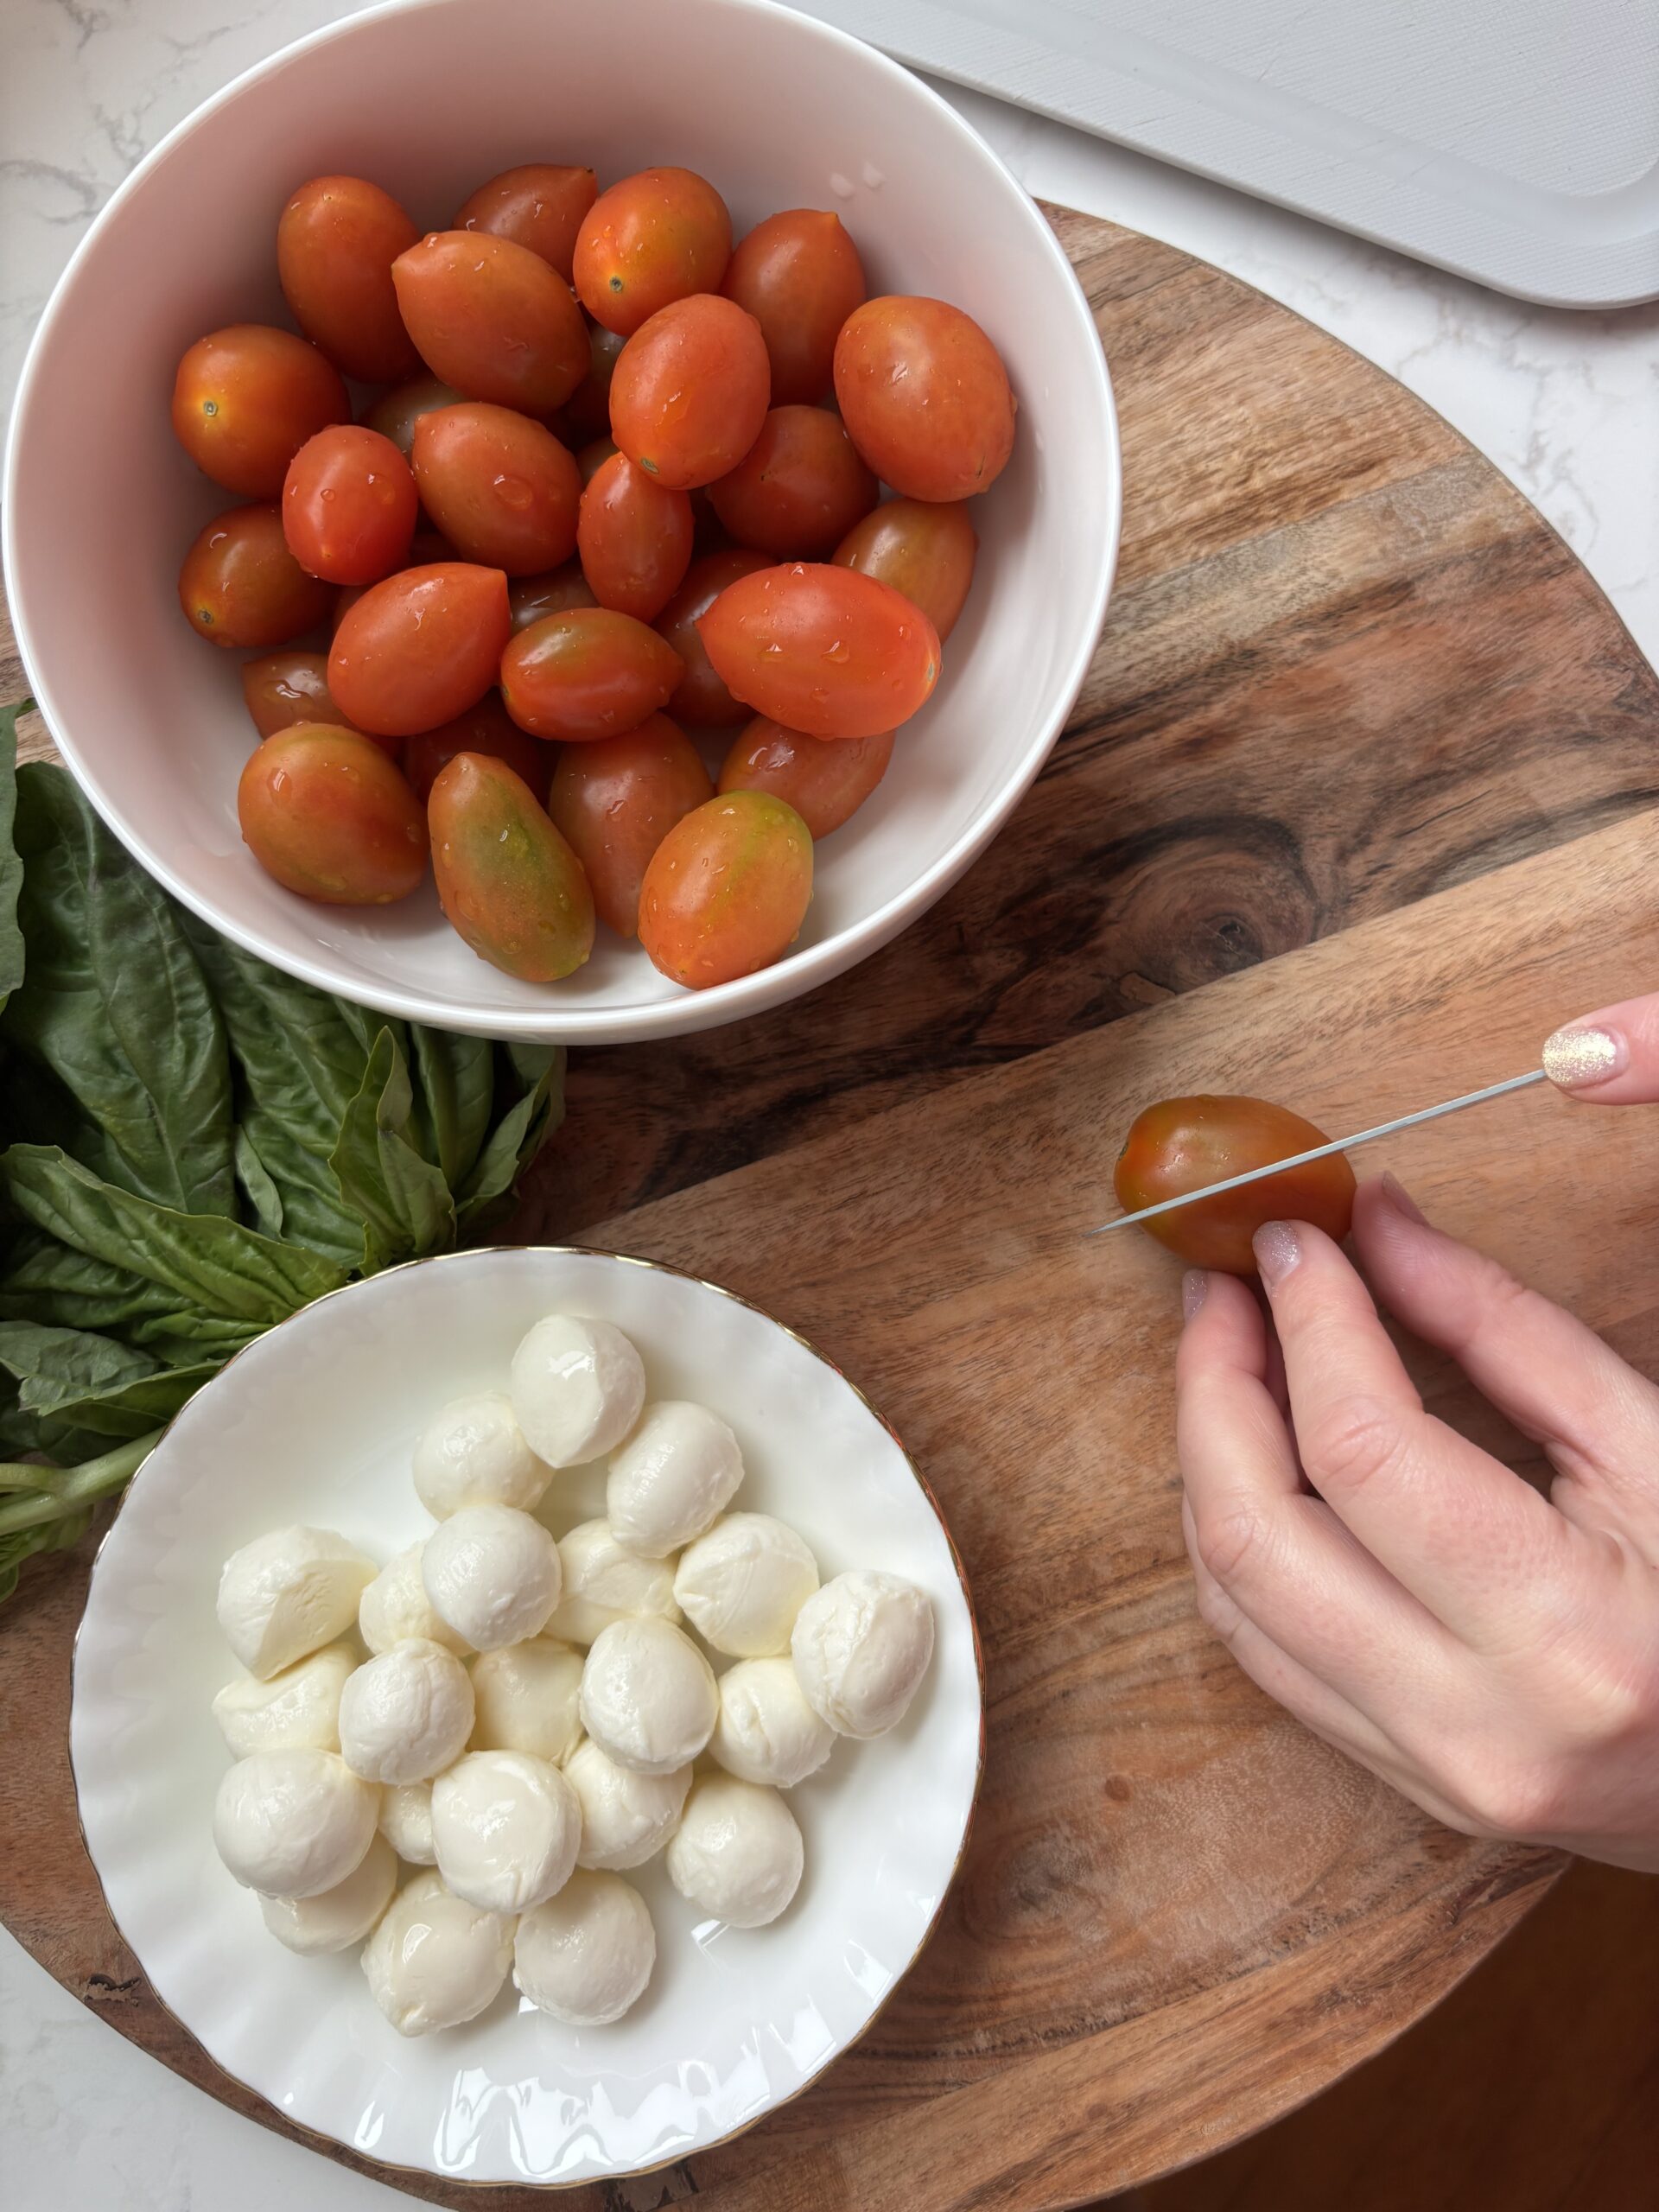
[[315, 1423]]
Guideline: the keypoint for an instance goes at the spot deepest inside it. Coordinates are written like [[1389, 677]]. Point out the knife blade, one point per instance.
[[1323, 1151]]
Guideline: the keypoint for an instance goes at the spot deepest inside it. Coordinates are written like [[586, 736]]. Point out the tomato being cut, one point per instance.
[[589, 672], [486, 727], [727, 890], [330, 816], [825, 779], [539, 205], [396, 412], [530, 598], [492, 319], [335, 245], [925, 395], [635, 538], [241, 586], [799, 275], [690, 390], [616, 800], [509, 885], [246, 398], [1184, 1144], [701, 699], [800, 487], [822, 649], [501, 488], [349, 508], [656, 237], [922, 548], [420, 648]]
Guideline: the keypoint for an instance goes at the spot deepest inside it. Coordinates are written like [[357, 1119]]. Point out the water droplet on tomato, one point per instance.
[[841, 651], [513, 491]]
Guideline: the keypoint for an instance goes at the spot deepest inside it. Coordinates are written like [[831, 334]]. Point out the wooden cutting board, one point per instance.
[[1351, 683]]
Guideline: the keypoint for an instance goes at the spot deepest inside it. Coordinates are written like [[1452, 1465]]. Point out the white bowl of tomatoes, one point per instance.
[[653, 471]]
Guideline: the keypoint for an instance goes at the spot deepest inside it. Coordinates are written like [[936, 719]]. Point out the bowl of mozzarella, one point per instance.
[[590, 1698]]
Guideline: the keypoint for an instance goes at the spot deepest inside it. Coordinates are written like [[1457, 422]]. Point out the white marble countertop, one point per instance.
[[1567, 405]]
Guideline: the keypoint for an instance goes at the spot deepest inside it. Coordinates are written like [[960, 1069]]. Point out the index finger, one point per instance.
[[1466, 1536]]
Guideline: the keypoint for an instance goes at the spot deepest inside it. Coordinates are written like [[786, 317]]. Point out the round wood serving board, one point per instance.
[[1350, 810]]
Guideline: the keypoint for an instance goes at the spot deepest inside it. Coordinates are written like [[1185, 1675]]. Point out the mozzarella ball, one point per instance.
[[507, 1828], [406, 1822], [435, 1961], [648, 1696], [587, 1954], [296, 1711], [525, 1696], [626, 1818], [493, 1574], [737, 1852], [336, 1919], [406, 1715], [742, 1585], [765, 1730], [288, 1594], [678, 1469], [473, 1452], [577, 1389], [861, 1647], [602, 1581], [395, 1606], [291, 1824]]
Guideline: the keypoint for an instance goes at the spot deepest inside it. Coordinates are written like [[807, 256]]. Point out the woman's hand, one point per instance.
[[1493, 1654]]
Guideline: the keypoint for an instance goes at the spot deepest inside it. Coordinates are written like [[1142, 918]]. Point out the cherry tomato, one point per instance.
[[335, 245], [486, 727], [825, 779], [594, 456], [615, 801], [690, 392], [241, 586], [329, 816], [799, 275], [589, 672], [1181, 1144], [246, 398], [655, 238], [821, 650], [349, 507], [507, 881], [530, 598], [492, 319], [420, 648], [799, 489], [502, 489], [396, 412], [289, 687], [922, 548], [589, 405], [539, 205], [727, 890], [634, 537], [925, 395], [701, 698]]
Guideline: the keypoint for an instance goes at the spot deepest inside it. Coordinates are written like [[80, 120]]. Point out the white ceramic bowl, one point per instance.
[[316, 1423], [428, 98]]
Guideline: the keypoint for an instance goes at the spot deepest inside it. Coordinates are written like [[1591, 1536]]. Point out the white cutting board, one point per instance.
[[1514, 141]]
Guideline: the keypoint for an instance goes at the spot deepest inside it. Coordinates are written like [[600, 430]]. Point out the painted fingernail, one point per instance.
[[1195, 1288], [1402, 1201], [1576, 1059], [1277, 1250]]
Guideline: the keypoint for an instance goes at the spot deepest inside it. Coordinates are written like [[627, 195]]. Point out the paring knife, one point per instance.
[[1323, 1150]]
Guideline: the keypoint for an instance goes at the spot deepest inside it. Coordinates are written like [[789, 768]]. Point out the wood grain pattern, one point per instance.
[[1347, 668]]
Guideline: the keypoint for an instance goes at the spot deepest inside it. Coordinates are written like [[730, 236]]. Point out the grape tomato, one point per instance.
[[499, 486], [800, 487], [700, 698], [396, 412], [539, 205], [420, 648], [615, 801], [331, 817], [658, 236], [509, 885], [586, 673], [925, 549], [486, 727], [530, 598], [822, 649], [491, 318], [349, 507], [634, 537], [286, 687], [241, 586], [727, 889], [799, 275], [825, 779], [336, 241], [1183, 1144], [589, 407], [690, 390], [925, 395], [246, 398]]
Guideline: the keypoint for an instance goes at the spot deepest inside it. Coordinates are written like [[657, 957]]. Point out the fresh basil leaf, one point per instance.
[[261, 1192], [404, 1200], [216, 1265], [454, 1089], [18, 1544], [519, 1135], [11, 865], [53, 1366]]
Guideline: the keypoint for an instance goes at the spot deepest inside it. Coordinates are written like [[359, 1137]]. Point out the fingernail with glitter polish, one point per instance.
[[1195, 1288], [1578, 1059], [1402, 1201], [1277, 1251]]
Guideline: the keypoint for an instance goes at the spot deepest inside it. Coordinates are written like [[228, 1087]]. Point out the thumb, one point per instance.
[[1609, 1058]]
